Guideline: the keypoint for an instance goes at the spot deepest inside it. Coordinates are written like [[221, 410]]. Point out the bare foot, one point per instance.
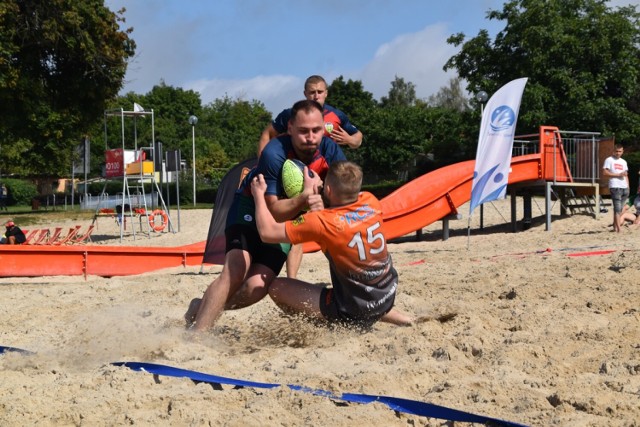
[[192, 311], [398, 318]]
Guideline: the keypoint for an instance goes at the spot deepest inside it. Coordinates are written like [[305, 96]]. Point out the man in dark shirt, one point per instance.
[[13, 235]]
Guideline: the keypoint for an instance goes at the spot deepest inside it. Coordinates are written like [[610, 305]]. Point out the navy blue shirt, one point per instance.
[[280, 149], [332, 118]]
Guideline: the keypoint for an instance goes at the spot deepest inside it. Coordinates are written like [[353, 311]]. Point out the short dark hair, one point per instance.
[[315, 79], [306, 105]]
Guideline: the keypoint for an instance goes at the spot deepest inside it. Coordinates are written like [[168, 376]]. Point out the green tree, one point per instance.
[[395, 137], [210, 161], [172, 108], [582, 59], [350, 97], [452, 136], [60, 62], [401, 94], [451, 96], [358, 104], [236, 125]]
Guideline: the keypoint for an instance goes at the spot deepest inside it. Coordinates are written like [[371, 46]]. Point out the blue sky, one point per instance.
[[265, 49]]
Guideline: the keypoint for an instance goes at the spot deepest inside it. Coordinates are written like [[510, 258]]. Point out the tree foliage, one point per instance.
[[60, 62], [351, 98], [63, 61], [452, 96], [394, 137], [172, 108], [401, 94], [236, 125], [582, 59]]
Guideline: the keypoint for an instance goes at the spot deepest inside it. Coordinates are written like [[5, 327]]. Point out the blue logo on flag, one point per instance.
[[502, 118]]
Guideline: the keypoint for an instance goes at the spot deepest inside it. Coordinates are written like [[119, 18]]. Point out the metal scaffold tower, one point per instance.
[[135, 167]]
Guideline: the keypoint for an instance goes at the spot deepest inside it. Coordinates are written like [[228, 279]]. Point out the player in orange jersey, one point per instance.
[[351, 235]]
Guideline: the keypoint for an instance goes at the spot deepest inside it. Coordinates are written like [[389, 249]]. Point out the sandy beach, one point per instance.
[[535, 327]]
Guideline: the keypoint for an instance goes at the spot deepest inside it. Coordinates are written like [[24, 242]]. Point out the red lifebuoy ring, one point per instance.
[[164, 220]]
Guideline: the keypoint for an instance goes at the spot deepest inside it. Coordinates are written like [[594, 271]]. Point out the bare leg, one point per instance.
[[236, 265], [296, 296], [627, 216], [237, 295], [294, 259], [254, 288]]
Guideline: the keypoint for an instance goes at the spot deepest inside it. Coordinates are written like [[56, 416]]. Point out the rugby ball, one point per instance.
[[293, 177]]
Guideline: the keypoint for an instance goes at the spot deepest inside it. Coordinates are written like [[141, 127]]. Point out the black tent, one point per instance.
[[214, 250]]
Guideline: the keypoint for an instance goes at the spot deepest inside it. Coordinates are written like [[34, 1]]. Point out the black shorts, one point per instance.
[[246, 238], [330, 311]]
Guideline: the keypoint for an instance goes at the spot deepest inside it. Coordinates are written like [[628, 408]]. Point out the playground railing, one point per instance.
[[581, 150], [106, 201]]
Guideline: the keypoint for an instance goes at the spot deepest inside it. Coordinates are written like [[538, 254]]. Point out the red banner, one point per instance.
[[114, 165]]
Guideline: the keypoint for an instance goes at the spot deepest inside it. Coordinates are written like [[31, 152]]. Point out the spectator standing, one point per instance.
[[4, 196], [616, 169]]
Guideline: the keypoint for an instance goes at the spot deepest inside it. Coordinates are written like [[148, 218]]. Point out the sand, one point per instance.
[[539, 336]]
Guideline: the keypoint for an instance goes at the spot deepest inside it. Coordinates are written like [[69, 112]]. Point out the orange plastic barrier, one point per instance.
[[99, 260]]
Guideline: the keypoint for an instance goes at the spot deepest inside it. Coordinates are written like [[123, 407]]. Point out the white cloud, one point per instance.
[[168, 55], [417, 57], [276, 92]]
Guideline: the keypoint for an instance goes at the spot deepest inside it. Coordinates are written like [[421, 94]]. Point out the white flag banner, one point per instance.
[[495, 143], [137, 108]]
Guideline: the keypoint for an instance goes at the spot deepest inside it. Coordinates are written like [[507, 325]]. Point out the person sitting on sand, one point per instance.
[[351, 235], [629, 218], [13, 234]]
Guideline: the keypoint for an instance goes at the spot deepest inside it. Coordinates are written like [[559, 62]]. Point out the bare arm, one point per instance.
[[270, 230], [286, 209], [267, 135]]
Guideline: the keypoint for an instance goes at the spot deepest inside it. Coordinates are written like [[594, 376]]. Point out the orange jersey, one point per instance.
[[352, 238]]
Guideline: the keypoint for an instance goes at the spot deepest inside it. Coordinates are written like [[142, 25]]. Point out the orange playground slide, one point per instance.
[[411, 207], [440, 193]]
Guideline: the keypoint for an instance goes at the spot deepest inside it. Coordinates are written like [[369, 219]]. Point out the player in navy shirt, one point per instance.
[[251, 265], [336, 123], [336, 126]]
